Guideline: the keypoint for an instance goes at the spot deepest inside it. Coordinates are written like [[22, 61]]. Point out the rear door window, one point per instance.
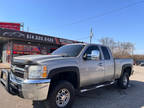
[[105, 53]]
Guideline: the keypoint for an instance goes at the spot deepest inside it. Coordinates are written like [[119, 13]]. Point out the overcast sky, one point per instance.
[[122, 20]]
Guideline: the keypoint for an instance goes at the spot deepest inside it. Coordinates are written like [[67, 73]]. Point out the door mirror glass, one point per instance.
[[95, 54]]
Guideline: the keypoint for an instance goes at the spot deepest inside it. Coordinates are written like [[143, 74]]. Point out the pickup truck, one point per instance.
[[71, 69]]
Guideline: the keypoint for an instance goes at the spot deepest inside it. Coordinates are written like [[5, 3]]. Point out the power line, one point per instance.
[[103, 14], [106, 13]]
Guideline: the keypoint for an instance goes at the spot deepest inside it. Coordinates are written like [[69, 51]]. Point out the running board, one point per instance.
[[98, 86]]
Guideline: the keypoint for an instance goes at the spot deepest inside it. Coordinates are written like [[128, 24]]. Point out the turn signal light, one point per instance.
[[45, 68], [44, 74]]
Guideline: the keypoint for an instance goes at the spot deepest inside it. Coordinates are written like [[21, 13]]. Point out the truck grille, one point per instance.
[[18, 70]]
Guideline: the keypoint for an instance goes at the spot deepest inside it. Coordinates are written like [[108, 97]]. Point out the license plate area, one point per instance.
[[4, 75], [0, 74]]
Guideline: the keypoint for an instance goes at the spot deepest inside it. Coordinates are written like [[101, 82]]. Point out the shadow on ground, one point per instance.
[[109, 97]]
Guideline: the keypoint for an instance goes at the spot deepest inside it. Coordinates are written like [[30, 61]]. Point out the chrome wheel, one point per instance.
[[63, 97]]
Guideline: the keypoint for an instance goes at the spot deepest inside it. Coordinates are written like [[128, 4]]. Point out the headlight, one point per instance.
[[37, 72]]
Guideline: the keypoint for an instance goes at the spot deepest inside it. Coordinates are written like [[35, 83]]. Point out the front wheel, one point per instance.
[[123, 82], [62, 95]]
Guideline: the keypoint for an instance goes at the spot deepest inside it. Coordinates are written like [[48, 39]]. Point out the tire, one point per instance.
[[55, 98], [123, 82]]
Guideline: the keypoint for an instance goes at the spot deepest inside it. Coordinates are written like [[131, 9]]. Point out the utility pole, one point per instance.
[[27, 29], [91, 35], [22, 25]]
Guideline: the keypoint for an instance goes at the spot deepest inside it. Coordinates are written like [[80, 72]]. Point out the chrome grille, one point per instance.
[[18, 70]]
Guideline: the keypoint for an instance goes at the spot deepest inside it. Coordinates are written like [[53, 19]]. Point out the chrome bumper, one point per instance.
[[28, 89]]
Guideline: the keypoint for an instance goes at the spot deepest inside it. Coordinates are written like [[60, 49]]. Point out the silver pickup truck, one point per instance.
[[71, 69]]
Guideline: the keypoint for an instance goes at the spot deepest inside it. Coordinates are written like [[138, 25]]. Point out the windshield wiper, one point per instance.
[[64, 55]]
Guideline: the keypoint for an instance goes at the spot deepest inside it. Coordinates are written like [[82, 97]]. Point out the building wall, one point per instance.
[[30, 48], [1, 48], [4, 54]]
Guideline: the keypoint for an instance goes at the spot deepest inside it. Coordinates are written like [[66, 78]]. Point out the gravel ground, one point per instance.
[[107, 97]]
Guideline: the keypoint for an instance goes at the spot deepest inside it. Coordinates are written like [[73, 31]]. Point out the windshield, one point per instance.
[[69, 50]]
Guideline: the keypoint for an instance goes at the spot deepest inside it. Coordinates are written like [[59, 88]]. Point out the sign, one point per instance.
[[65, 41], [20, 35], [38, 37], [13, 26], [29, 49]]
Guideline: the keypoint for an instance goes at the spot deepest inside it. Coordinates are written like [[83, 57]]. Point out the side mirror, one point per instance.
[[95, 55]]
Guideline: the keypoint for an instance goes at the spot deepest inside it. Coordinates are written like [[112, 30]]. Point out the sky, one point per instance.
[[73, 19]]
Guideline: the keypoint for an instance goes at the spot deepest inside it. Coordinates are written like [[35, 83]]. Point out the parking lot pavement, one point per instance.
[[107, 97]]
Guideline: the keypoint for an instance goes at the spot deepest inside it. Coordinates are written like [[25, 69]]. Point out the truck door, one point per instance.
[[109, 64], [92, 69]]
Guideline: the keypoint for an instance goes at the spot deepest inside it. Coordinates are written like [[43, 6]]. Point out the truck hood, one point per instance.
[[33, 59]]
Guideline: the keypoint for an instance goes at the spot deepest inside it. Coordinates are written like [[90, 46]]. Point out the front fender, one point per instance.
[[53, 72]]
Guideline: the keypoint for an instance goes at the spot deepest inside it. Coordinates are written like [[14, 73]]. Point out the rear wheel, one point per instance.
[[123, 82], [62, 95]]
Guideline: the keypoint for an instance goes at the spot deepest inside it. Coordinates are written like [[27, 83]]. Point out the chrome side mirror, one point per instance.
[[95, 55]]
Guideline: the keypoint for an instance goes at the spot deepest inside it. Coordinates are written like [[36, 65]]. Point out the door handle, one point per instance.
[[100, 64]]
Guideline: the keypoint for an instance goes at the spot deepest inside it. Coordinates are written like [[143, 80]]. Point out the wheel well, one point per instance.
[[68, 76], [128, 70]]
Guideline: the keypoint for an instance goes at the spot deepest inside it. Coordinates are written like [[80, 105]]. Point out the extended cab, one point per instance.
[[70, 69]]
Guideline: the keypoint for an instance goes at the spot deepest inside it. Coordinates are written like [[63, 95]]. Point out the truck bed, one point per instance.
[[119, 63]]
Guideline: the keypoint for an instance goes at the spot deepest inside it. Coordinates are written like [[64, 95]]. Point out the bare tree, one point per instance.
[[108, 42], [119, 49]]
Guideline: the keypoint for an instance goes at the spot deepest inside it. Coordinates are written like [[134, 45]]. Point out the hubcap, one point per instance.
[[62, 98], [125, 81]]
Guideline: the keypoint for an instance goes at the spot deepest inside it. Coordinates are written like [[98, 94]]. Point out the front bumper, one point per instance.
[[27, 89]]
